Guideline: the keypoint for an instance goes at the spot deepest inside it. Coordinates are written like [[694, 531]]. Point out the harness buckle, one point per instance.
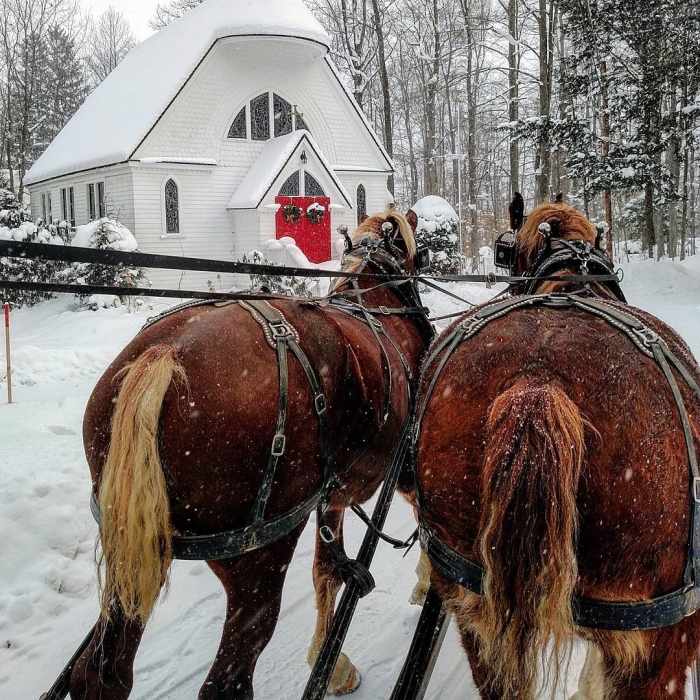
[[278, 445], [490, 278], [384, 310], [326, 534], [696, 489], [320, 404], [280, 330], [646, 335]]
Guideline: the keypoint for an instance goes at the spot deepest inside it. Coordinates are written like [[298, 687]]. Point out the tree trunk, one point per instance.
[[545, 70], [431, 179], [386, 95], [513, 94], [605, 134], [649, 232]]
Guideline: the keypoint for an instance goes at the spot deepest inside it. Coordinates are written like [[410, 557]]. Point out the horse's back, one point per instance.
[[216, 431]]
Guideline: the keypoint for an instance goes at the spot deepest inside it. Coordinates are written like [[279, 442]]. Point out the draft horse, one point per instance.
[[233, 418], [557, 477]]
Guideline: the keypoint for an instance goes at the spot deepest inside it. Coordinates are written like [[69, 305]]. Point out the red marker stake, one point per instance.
[[7, 352]]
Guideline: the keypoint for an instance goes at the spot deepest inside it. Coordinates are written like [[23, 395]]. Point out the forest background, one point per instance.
[[473, 99]]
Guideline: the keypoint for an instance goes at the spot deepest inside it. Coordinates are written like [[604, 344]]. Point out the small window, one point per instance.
[[91, 201], [71, 206], [172, 207], [312, 188], [301, 124], [238, 126], [101, 200], [64, 205], [361, 202], [43, 207], [260, 117], [49, 213], [291, 186], [283, 116]]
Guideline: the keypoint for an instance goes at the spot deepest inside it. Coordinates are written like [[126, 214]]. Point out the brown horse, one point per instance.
[[178, 436], [552, 457]]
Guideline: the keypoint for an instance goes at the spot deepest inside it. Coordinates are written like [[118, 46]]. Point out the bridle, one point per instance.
[[558, 255]]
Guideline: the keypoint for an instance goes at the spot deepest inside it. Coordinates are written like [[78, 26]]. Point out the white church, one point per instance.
[[226, 129]]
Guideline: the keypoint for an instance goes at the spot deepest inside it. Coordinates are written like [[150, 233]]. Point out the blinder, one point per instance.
[[506, 251], [421, 260]]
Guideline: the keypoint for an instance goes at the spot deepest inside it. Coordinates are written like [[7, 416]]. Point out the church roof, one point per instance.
[[275, 154], [121, 111]]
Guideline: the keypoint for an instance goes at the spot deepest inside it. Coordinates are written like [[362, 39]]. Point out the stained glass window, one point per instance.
[[101, 199], [91, 200], [238, 126], [312, 188], [283, 116], [361, 202], [172, 207], [291, 186], [260, 117], [64, 205], [71, 204]]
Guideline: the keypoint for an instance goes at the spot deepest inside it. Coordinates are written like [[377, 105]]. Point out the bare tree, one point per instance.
[[109, 41], [165, 14]]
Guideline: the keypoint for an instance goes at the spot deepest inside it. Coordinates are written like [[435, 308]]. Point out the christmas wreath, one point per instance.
[[291, 213], [315, 212]]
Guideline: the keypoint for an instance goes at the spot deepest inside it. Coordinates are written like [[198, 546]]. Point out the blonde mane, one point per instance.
[[574, 226]]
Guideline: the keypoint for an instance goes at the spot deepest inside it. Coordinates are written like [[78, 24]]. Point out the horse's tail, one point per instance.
[[535, 448], [135, 528]]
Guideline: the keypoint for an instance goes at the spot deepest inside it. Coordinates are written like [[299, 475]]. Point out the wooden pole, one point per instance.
[[7, 352]]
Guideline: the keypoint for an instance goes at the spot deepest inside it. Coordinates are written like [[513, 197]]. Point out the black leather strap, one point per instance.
[[231, 543], [620, 616]]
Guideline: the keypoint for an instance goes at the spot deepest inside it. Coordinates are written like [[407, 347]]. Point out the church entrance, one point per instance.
[[305, 217]]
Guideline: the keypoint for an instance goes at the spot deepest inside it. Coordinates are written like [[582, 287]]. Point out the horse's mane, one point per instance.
[[574, 226]]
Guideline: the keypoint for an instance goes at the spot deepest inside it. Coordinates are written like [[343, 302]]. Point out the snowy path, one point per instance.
[[47, 590]]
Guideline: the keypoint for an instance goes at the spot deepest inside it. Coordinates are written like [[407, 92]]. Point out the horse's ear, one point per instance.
[[364, 218], [412, 219], [516, 211], [560, 198]]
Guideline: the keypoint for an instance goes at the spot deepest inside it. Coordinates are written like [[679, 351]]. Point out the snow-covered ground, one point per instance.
[[47, 585]]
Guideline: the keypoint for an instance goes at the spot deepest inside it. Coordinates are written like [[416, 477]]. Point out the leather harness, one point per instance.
[[659, 611], [282, 336]]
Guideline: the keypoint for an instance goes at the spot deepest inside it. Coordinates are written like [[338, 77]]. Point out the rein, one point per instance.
[[660, 611]]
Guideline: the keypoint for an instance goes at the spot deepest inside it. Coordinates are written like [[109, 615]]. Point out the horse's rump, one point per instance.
[[632, 497]]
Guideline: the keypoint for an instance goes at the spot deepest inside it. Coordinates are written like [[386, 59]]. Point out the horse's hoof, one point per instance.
[[352, 683], [418, 595]]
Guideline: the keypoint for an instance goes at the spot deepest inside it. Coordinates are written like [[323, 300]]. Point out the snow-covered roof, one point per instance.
[[266, 169], [121, 111], [432, 208]]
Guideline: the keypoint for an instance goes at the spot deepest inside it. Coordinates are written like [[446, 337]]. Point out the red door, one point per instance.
[[313, 239]]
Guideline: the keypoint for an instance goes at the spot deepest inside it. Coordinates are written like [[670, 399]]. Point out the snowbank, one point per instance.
[[118, 236]]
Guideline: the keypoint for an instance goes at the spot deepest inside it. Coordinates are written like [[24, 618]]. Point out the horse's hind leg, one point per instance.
[[105, 671], [327, 583], [662, 673], [253, 583]]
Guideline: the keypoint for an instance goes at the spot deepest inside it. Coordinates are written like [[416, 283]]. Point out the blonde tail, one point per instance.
[[535, 450], [135, 528]]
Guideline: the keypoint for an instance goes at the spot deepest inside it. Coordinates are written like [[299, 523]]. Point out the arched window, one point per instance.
[[361, 202], [290, 188], [238, 128], [270, 116], [172, 207], [312, 188]]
